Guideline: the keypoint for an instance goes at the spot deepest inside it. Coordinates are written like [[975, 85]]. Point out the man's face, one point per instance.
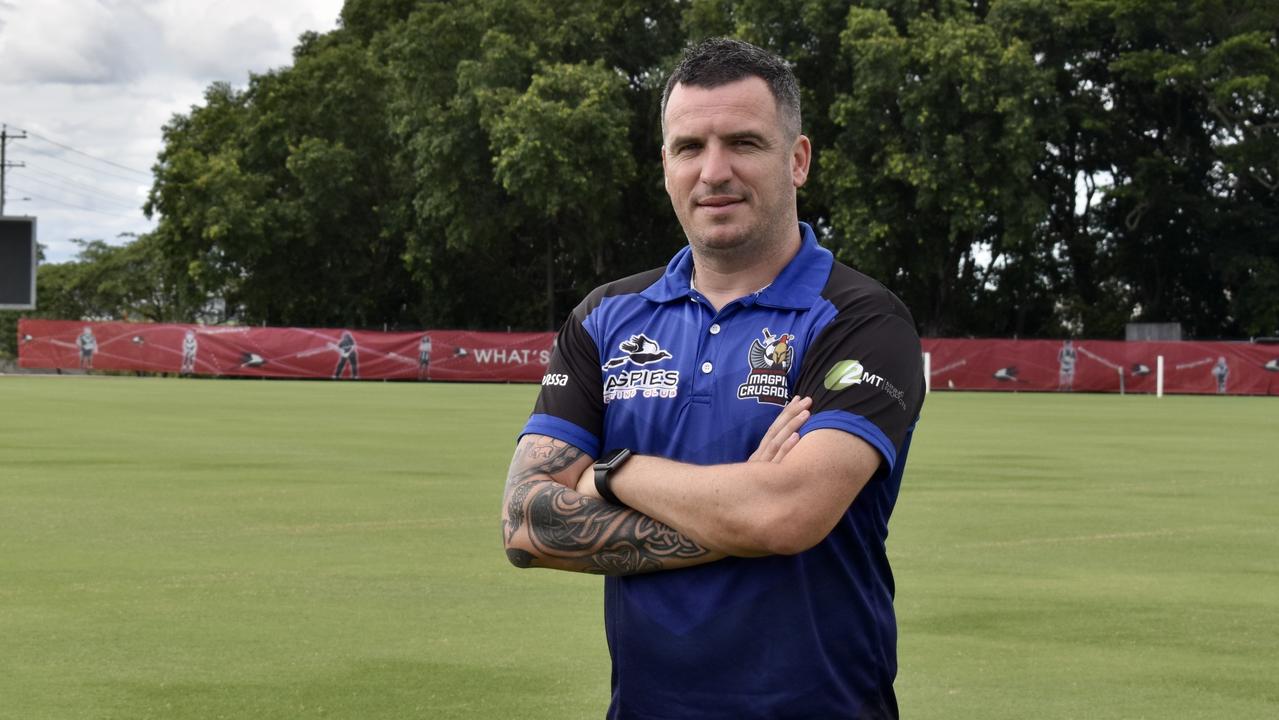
[[731, 170]]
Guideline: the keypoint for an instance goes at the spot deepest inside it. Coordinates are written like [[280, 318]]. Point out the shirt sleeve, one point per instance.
[[570, 406], [865, 376]]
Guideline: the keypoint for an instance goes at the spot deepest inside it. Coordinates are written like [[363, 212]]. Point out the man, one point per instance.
[[760, 399]]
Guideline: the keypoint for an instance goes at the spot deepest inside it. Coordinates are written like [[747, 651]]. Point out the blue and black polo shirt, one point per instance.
[[648, 364]]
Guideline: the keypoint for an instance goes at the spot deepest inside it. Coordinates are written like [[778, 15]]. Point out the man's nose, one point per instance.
[[717, 165]]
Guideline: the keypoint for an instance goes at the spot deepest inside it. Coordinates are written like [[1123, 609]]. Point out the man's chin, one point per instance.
[[721, 238]]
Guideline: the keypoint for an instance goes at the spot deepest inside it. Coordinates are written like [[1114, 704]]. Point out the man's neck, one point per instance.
[[721, 280]]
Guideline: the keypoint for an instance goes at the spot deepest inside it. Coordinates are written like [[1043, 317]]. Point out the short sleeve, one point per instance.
[[865, 376], [570, 406]]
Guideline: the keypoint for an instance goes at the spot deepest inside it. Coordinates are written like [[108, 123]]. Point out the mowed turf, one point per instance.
[[250, 549]]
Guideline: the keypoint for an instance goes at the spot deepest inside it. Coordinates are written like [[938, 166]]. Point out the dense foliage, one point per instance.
[[1009, 167]]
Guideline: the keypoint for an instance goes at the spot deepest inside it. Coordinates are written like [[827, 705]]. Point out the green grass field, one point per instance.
[[249, 549]]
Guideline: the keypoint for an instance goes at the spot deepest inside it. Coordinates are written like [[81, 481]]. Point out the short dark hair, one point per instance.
[[720, 61]]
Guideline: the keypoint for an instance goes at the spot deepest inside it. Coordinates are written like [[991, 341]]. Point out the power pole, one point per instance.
[[5, 137]]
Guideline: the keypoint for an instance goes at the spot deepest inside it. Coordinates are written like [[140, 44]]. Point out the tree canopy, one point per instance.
[[1008, 167]]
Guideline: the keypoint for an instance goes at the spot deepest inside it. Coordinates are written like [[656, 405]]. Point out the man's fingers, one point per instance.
[[787, 436], [791, 442], [788, 414], [793, 415]]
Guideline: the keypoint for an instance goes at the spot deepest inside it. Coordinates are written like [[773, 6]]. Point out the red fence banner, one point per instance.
[[284, 352], [1229, 368], [1225, 368], [489, 356]]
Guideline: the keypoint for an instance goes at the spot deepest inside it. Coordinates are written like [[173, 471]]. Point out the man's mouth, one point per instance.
[[718, 201]]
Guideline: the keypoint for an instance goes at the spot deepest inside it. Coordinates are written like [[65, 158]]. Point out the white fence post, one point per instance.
[[1159, 376], [928, 372]]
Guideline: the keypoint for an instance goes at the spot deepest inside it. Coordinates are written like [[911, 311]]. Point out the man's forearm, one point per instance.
[[752, 508], [546, 524]]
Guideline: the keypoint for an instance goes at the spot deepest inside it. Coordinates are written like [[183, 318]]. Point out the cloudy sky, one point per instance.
[[92, 82]]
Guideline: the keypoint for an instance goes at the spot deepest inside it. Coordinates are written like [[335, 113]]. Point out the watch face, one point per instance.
[[612, 459]]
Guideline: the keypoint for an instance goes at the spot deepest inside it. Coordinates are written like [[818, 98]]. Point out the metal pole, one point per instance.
[[928, 372], [1159, 376], [5, 137], [4, 140]]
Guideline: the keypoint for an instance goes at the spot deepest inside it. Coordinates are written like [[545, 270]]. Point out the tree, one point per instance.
[[1009, 167], [502, 104], [937, 142], [288, 198]]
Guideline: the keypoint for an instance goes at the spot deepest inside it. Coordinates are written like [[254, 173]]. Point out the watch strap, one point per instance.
[[604, 475]]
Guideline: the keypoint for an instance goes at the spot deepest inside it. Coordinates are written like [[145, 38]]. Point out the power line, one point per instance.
[[73, 206], [84, 196], [78, 187], [82, 166], [38, 136]]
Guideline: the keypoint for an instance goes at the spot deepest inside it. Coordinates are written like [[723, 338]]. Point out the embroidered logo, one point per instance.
[[639, 350], [770, 361]]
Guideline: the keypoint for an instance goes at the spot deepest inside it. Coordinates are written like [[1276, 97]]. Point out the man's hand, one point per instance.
[[780, 438], [783, 434]]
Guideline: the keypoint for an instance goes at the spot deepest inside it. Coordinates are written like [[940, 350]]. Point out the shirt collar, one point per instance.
[[797, 286]]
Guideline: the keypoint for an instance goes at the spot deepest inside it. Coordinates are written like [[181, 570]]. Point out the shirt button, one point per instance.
[[715, 329], [707, 367]]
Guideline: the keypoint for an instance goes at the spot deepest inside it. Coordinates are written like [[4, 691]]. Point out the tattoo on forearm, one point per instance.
[[591, 535], [546, 458], [616, 540], [515, 508]]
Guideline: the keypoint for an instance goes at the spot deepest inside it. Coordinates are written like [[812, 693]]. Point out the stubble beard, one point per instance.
[[743, 248]]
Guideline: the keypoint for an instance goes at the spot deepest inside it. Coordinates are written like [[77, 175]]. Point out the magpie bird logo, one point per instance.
[[640, 350], [1272, 366], [1006, 374]]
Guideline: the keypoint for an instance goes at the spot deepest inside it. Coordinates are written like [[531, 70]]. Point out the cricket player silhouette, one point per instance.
[[424, 357], [88, 345], [1221, 371], [347, 353], [189, 348], [1066, 356]]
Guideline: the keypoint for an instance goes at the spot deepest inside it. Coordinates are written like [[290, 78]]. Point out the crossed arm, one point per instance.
[[547, 523], [784, 499]]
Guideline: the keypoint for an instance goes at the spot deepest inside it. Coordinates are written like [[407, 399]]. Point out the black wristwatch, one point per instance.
[[611, 461]]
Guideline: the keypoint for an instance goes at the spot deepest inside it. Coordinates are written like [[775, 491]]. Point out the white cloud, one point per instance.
[[83, 42], [104, 76]]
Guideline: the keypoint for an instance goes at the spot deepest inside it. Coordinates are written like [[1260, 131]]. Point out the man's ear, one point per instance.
[[801, 160], [666, 180]]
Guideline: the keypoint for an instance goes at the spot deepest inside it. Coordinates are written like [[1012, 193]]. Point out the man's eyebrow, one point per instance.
[[747, 135], [678, 140], [683, 140]]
